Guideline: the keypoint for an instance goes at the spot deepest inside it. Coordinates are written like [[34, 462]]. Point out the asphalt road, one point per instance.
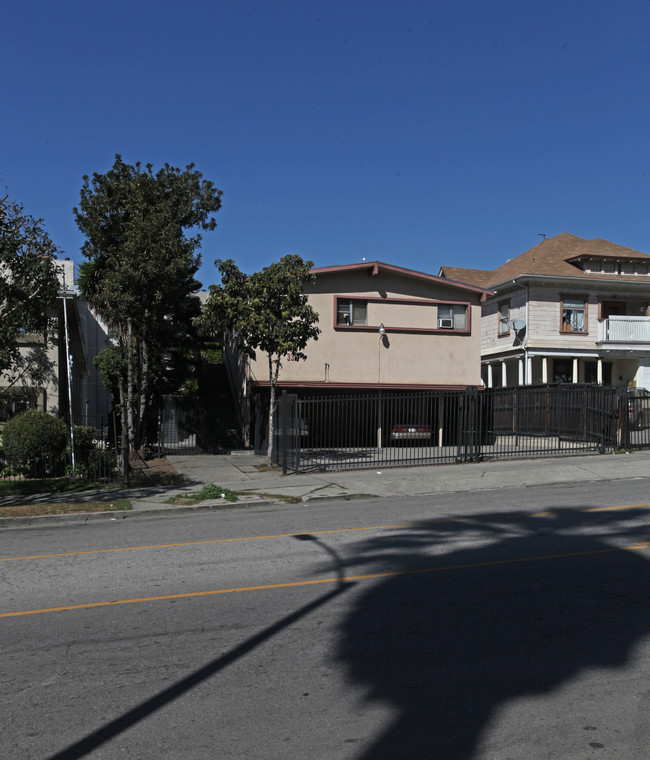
[[503, 624]]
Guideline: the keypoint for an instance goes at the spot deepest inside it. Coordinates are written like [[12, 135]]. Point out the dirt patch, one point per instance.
[[155, 472]]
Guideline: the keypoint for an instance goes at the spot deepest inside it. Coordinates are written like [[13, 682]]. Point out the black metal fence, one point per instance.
[[385, 429], [190, 426], [92, 461]]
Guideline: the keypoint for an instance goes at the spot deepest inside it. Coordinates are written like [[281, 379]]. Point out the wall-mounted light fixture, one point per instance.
[[382, 329]]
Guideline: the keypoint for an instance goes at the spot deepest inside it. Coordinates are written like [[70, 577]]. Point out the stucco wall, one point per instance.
[[413, 352]]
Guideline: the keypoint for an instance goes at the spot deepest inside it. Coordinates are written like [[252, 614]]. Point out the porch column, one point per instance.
[[575, 371], [544, 369], [520, 363], [529, 370], [504, 375], [599, 371], [489, 374]]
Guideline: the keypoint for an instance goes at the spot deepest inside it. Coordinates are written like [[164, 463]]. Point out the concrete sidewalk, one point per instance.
[[247, 474], [240, 472]]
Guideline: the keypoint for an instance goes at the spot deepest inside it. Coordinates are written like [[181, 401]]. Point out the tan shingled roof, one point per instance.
[[478, 277], [551, 257]]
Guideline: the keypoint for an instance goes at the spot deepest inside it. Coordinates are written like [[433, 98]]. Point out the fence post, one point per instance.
[[626, 419], [283, 403], [603, 418], [460, 428], [477, 402], [299, 411]]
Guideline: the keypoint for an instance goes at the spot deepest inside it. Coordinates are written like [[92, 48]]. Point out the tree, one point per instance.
[[29, 286], [139, 276], [268, 311]]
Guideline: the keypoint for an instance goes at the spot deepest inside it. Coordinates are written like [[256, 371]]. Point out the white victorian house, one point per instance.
[[567, 310]]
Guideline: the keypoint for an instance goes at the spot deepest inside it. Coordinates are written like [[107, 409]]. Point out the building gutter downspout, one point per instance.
[[527, 378]]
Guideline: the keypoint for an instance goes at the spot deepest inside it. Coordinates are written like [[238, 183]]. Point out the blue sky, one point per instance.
[[416, 133]]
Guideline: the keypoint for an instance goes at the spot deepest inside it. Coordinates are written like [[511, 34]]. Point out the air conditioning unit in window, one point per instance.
[[445, 322]]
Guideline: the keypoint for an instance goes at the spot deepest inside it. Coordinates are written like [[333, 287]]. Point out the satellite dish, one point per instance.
[[517, 324]]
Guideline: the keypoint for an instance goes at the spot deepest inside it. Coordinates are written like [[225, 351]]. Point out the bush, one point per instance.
[[84, 442], [33, 438]]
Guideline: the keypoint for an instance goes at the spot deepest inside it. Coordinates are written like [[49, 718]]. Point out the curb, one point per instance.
[[79, 518], [43, 521]]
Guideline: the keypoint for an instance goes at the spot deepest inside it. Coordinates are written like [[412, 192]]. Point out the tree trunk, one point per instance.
[[273, 402], [124, 447], [130, 388], [144, 389]]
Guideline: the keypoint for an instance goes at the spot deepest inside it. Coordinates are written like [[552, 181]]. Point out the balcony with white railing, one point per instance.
[[628, 330]]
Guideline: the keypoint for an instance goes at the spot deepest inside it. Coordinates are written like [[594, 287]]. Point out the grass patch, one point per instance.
[[209, 492], [278, 496], [66, 508], [267, 467]]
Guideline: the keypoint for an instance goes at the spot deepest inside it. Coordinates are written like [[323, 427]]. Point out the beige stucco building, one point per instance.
[[385, 331], [385, 327]]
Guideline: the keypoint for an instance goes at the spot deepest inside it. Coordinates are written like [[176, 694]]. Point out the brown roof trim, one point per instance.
[[359, 386], [375, 267], [585, 277]]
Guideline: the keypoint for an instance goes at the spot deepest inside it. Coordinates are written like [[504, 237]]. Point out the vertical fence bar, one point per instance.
[[282, 406]]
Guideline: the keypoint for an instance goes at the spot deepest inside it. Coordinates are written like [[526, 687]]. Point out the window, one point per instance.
[[573, 315], [452, 317], [351, 312], [11, 405], [504, 317]]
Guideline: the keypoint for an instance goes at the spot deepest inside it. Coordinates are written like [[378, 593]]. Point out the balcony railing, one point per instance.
[[624, 330]]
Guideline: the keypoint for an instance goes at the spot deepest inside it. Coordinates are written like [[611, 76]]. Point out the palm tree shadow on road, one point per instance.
[[522, 609]]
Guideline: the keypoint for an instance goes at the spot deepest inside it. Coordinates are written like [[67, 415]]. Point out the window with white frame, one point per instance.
[[452, 317], [504, 318], [351, 312], [573, 315]]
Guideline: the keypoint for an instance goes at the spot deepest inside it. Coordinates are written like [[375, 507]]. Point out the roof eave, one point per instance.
[[520, 279], [374, 267]]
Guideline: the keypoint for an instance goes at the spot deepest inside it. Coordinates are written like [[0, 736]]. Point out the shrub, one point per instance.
[[84, 442], [212, 491], [32, 438]]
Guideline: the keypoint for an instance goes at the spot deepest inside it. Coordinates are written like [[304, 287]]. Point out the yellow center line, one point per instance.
[[313, 532], [208, 541], [294, 584]]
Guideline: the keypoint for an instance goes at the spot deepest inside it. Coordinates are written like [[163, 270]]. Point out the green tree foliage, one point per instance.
[[32, 435], [268, 311], [29, 285], [139, 276]]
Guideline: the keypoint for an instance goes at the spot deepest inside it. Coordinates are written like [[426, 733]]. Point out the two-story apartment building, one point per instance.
[[567, 310], [385, 329]]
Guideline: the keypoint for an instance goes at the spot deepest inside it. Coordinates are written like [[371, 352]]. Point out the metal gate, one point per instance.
[[388, 429]]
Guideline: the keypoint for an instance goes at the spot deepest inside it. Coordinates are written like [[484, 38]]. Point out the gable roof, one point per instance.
[[553, 257], [375, 267]]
